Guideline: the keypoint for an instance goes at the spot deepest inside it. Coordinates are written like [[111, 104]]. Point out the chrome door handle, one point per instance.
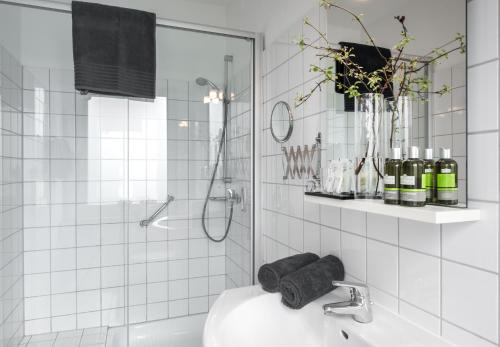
[[146, 222]]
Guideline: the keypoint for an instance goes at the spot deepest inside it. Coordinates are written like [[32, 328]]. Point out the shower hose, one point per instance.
[[214, 173]]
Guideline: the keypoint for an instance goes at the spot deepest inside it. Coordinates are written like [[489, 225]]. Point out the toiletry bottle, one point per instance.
[[412, 190], [447, 180], [429, 176], [391, 178]]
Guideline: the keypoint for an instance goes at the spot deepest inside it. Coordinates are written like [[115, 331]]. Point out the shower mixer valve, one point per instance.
[[231, 196]]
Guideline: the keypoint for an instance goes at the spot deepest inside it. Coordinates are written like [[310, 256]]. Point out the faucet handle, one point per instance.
[[356, 288]]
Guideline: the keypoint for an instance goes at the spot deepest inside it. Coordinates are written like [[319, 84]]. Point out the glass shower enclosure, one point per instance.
[[137, 213]]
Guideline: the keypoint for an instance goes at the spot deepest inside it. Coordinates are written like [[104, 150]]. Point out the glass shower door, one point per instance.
[[203, 107]]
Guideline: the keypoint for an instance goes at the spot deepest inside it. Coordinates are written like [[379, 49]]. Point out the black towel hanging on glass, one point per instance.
[[114, 50], [370, 59]]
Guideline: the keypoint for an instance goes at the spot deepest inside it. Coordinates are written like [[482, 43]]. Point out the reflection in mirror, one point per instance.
[[433, 103], [281, 122]]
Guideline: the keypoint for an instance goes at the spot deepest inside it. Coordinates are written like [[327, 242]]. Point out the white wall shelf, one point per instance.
[[428, 214]]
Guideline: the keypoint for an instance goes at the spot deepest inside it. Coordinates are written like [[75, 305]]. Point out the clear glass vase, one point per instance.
[[397, 126], [369, 164]]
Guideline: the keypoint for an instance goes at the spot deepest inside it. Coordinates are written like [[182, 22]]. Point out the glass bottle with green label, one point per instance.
[[446, 179], [391, 177], [412, 191], [429, 176]]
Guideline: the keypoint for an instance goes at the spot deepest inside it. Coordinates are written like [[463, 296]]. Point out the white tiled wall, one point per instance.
[[442, 277], [11, 204], [95, 167]]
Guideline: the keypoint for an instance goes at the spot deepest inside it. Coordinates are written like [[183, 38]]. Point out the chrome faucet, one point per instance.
[[359, 306]]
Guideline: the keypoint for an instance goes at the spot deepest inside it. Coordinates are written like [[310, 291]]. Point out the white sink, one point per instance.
[[250, 317]]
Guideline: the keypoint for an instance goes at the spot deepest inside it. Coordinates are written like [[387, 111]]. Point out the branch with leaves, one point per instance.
[[399, 70], [401, 75]]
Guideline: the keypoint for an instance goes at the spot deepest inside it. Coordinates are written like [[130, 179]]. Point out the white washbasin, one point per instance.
[[250, 317]]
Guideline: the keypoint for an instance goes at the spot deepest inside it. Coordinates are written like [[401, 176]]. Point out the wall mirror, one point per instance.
[[437, 107], [281, 121]]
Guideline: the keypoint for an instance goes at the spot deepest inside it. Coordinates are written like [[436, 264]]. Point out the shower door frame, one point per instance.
[[257, 44]]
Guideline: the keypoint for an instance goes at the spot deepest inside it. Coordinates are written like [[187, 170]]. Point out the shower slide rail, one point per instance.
[[146, 222]]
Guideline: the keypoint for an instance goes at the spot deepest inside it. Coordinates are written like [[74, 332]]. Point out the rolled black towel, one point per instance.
[[270, 274], [311, 282]]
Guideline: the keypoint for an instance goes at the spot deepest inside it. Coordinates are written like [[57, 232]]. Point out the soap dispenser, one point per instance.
[[429, 176], [446, 179], [412, 189], [392, 177]]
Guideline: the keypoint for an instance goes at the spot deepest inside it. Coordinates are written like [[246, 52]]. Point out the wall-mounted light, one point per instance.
[[183, 124], [214, 97]]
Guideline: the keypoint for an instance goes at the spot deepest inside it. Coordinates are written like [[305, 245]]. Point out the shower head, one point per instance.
[[201, 81]]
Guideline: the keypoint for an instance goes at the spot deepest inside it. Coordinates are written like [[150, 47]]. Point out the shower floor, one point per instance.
[[174, 332]]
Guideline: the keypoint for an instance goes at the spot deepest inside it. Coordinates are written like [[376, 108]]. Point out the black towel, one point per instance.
[[114, 50], [270, 274], [311, 282], [370, 60]]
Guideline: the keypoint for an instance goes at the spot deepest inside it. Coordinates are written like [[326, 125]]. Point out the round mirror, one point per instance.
[[281, 122]]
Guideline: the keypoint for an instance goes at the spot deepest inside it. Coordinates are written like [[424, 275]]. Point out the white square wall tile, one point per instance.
[[482, 31], [112, 276], [460, 302], [88, 257], [63, 259], [157, 272], [178, 289], [88, 301], [388, 301], [36, 285], [198, 287], [37, 307], [88, 279], [63, 304], [295, 234], [482, 89], [353, 221], [312, 237], [157, 311], [330, 241], [62, 324], [474, 243], [36, 262], [198, 305], [311, 212], [483, 166], [112, 297], [63, 281], [382, 266], [330, 216], [217, 265], [422, 237], [36, 326], [157, 292], [422, 318], [419, 280], [353, 250], [178, 269], [178, 308], [462, 338], [36, 239], [382, 228]]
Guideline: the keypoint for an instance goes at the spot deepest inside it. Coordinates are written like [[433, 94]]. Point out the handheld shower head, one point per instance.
[[201, 81]]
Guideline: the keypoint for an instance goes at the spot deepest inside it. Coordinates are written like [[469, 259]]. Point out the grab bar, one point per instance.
[[146, 222]]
